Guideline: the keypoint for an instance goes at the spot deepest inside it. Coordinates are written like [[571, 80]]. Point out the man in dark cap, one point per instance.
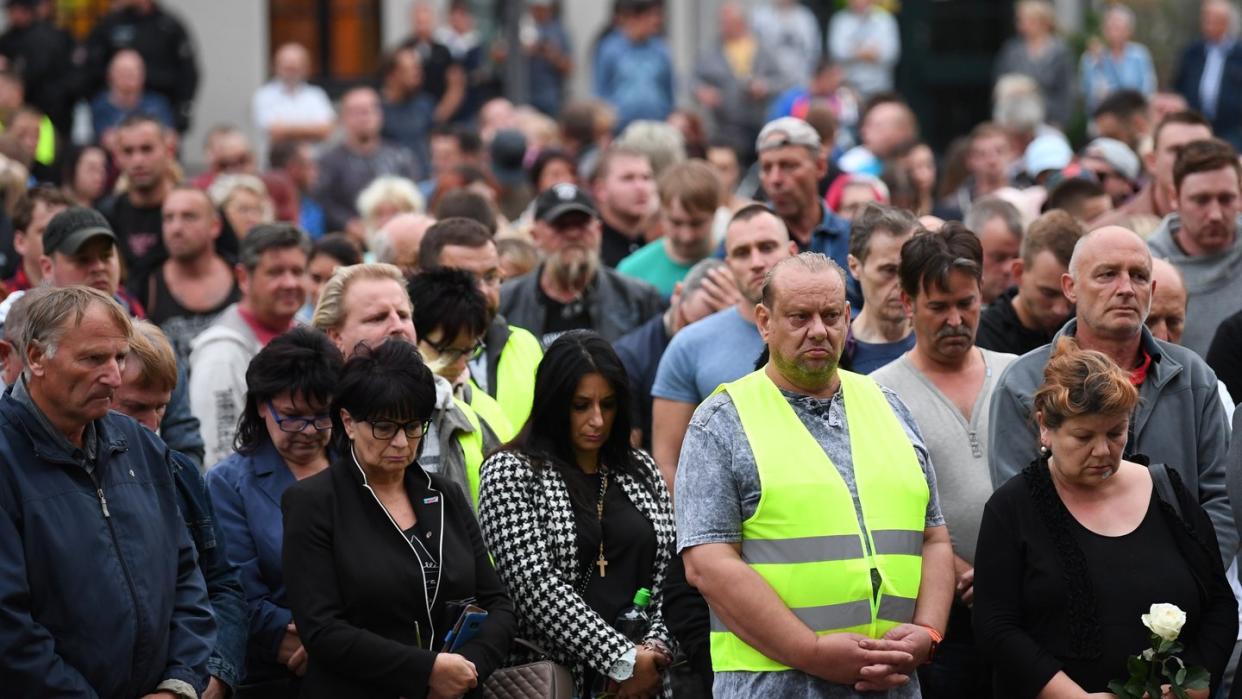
[[571, 289]]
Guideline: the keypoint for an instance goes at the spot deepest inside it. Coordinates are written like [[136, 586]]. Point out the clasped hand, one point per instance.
[[872, 664]]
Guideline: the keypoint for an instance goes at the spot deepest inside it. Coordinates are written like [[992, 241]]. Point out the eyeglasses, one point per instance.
[[387, 429], [299, 424], [451, 355]]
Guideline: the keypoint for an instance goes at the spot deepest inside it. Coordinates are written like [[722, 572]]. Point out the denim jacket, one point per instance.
[[228, 601]]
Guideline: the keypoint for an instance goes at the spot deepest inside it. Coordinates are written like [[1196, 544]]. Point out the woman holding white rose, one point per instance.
[[1076, 549]]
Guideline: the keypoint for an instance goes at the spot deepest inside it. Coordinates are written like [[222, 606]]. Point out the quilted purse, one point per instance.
[[542, 679]]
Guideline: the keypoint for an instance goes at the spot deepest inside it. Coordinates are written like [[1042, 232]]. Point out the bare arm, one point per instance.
[[300, 132], [752, 610], [454, 93], [938, 582], [669, 420]]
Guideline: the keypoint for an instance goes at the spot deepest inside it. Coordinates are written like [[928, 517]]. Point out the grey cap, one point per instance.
[[1118, 155], [69, 230], [787, 131]]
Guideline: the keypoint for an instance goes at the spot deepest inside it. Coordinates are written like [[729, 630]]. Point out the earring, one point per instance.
[[1044, 451]]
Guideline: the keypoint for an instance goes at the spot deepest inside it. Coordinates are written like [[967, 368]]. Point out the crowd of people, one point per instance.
[[732, 387]]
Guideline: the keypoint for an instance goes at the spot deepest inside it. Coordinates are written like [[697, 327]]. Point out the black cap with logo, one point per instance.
[[558, 200]]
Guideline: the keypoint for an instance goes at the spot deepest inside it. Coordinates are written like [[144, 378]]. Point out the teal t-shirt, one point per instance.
[[651, 264]]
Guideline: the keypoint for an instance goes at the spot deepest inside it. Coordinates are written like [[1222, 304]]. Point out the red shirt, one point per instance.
[[1139, 374], [264, 333]]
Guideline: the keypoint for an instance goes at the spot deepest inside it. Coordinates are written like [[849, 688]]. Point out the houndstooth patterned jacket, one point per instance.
[[528, 523]]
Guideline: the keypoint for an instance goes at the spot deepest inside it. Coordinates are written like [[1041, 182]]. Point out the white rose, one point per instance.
[[1165, 620]]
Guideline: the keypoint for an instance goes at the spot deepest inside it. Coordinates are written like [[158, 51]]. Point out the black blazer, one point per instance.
[[356, 585]]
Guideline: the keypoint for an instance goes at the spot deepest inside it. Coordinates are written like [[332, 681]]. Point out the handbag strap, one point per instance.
[[1164, 487], [531, 646]]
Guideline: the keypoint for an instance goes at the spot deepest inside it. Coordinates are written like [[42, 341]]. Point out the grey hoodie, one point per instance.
[[219, 357], [1213, 282]]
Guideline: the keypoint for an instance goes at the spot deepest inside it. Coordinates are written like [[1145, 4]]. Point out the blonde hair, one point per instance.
[[392, 189], [1042, 9], [151, 349], [330, 312], [1081, 382]]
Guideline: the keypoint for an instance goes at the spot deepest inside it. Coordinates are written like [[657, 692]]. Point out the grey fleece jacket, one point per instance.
[[1213, 282], [219, 357], [1179, 421]]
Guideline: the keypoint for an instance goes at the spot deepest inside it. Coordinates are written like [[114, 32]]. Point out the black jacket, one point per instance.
[[1000, 329], [617, 303], [357, 592], [1227, 123]]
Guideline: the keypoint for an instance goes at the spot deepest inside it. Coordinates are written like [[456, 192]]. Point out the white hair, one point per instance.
[[391, 189], [1017, 103]]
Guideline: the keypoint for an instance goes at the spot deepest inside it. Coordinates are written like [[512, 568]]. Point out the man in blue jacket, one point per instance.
[[100, 592]]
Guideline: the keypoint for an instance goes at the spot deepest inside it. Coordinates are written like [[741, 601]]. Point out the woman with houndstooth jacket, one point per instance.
[[577, 521]]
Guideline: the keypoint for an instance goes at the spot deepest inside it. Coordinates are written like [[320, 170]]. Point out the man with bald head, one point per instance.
[[1210, 71], [1179, 420], [288, 108], [776, 472], [398, 242]]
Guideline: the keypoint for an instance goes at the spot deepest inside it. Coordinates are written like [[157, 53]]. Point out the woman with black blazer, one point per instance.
[[578, 521], [381, 557]]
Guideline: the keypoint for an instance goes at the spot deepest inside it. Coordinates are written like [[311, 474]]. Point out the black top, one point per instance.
[[139, 236], [1224, 353], [1052, 596], [629, 544], [616, 246], [356, 588], [560, 317], [1000, 330]]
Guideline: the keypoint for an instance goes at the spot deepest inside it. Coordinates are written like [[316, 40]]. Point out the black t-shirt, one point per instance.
[[560, 318], [629, 543], [436, 59], [140, 238], [616, 246], [1000, 329]]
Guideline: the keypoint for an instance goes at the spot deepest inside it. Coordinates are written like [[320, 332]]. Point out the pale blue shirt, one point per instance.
[[1106, 74]]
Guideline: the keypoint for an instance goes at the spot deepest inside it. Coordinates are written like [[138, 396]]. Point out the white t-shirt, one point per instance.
[[306, 104]]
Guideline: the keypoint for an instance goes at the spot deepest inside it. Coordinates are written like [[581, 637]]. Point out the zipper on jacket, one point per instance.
[[431, 624], [103, 503], [116, 548]]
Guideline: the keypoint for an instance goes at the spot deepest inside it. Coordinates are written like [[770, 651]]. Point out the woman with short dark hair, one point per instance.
[[578, 521], [282, 437], [384, 557]]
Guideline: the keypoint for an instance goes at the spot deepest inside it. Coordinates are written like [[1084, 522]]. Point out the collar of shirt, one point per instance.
[[86, 455]]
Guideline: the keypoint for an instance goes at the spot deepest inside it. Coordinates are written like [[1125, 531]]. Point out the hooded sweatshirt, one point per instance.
[[1213, 282], [219, 357]]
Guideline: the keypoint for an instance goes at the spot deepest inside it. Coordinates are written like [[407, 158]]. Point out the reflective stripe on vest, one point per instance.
[[471, 444], [515, 376], [804, 538], [490, 411]]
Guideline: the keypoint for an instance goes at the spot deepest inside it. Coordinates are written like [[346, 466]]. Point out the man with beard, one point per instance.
[[1201, 238], [777, 472], [722, 347], [272, 276], [1179, 420], [505, 369], [689, 195], [1029, 313], [624, 186], [791, 164], [947, 383], [570, 290], [881, 331]]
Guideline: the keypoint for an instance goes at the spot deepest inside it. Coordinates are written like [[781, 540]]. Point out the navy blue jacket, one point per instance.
[[100, 592], [1227, 123], [224, 588], [245, 491]]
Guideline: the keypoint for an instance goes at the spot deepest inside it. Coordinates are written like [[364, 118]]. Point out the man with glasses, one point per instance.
[[450, 320], [571, 290], [505, 368]]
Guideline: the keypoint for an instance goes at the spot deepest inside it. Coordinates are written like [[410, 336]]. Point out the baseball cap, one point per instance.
[[1118, 155], [508, 150], [70, 229], [558, 200], [1048, 152], [787, 131]]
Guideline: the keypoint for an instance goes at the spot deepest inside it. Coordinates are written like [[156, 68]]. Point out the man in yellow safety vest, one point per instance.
[[807, 513]]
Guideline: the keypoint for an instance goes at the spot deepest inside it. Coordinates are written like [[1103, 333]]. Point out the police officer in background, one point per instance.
[[831, 571]]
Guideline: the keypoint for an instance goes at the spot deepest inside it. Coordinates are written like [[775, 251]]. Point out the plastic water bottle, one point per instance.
[[632, 622]]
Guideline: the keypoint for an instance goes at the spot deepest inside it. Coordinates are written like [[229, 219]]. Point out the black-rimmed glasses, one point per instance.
[[298, 424], [387, 429]]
